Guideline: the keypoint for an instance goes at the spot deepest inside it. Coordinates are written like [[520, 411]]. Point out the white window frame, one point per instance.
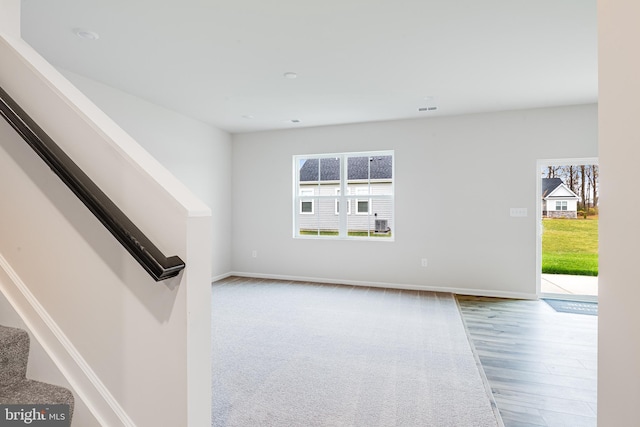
[[561, 205], [363, 191], [344, 195], [337, 203], [305, 197]]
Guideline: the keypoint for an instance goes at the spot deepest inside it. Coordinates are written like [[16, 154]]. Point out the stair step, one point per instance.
[[14, 354], [31, 392], [15, 388]]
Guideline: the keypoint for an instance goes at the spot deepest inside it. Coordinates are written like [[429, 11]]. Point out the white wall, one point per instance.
[[10, 17], [619, 281], [137, 351], [456, 178], [198, 154]]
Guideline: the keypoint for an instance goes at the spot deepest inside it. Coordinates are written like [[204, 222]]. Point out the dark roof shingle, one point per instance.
[[550, 184], [375, 167]]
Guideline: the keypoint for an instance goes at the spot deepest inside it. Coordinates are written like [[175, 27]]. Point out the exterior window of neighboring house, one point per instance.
[[561, 205], [337, 212], [363, 182], [363, 205], [306, 205]]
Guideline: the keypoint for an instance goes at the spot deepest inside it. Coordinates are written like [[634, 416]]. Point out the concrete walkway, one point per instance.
[[567, 284]]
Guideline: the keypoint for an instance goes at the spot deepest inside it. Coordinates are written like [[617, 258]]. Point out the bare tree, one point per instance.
[[592, 175], [552, 171], [570, 175], [583, 193]]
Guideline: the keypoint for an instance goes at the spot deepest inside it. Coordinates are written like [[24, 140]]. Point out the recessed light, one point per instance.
[[248, 116], [86, 34], [290, 75]]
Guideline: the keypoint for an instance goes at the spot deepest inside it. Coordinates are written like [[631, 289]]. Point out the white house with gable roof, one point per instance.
[[558, 201]]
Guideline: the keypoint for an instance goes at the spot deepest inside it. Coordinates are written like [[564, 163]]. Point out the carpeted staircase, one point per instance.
[[15, 388]]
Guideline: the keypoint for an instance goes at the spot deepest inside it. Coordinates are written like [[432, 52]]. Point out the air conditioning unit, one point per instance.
[[382, 226]]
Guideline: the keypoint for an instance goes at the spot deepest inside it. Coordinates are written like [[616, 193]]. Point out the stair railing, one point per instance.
[[159, 266]]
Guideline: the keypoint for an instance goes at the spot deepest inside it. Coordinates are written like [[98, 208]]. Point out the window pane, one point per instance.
[[382, 212], [306, 205], [328, 221], [362, 204], [330, 169], [371, 173], [381, 175], [358, 168], [308, 170], [308, 217], [359, 225], [377, 223]]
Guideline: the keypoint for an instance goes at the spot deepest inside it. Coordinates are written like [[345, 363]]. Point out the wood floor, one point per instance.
[[541, 365]]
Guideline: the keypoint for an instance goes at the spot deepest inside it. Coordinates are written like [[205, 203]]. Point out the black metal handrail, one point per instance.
[[131, 237]]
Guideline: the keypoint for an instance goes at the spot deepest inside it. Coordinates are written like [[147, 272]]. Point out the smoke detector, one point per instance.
[[86, 34]]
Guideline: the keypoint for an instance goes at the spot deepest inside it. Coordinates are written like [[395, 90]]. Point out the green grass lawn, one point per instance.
[[570, 246]]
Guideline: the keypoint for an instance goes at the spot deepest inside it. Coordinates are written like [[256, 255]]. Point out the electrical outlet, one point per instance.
[[254, 254], [423, 262]]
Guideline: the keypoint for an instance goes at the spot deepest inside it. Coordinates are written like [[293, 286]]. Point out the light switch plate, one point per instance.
[[518, 212]]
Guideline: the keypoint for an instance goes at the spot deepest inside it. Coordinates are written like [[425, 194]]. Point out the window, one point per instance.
[[362, 205], [363, 182], [306, 204], [561, 205], [338, 203]]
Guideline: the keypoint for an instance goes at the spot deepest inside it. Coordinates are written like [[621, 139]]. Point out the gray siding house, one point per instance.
[[319, 186]]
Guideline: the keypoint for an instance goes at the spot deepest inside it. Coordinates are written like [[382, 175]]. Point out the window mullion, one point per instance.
[[344, 203], [369, 207]]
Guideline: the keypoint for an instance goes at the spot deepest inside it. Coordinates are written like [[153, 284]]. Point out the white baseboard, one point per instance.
[[458, 291], [83, 380], [220, 277]]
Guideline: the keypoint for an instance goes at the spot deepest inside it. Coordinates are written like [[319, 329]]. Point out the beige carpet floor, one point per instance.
[[301, 354]]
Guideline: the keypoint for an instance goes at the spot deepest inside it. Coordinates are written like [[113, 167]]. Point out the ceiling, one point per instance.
[[223, 61]]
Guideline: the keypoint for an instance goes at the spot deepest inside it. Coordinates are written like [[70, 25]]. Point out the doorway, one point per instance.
[[567, 222]]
